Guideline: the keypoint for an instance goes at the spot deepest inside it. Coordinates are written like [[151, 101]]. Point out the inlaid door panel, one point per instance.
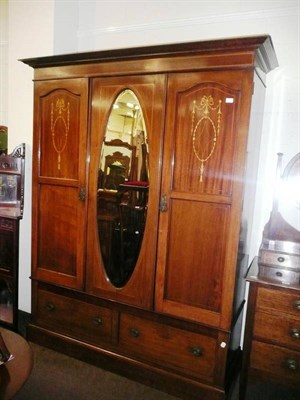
[[60, 178], [205, 131], [60, 127], [107, 228], [204, 154]]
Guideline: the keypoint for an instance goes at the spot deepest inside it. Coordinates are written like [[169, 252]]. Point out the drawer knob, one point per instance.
[[297, 305], [291, 364], [97, 321], [295, 333], [134, 332], [280, 259], [50, 307], [196, 351]]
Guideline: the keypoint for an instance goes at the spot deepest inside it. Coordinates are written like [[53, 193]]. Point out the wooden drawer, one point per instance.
[[189, 353], [279, 301], [276, 361], [287, 332], [75, 318]]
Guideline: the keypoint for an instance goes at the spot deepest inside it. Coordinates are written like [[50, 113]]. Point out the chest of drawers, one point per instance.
[[272, 333]]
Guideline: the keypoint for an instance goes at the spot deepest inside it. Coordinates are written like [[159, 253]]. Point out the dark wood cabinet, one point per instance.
[[143, 277], [11, 212], [272, 333], [9, 252], [59, 222]]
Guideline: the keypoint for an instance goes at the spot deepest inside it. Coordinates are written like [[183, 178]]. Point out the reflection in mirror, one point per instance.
[[289, 201], [122, 192]]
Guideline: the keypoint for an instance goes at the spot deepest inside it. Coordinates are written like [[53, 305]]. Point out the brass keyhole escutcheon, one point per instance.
[[163, 206], [82, 194]]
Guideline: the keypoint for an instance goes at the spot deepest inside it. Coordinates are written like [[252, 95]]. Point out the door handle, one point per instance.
[[163, 205], [82, 194]]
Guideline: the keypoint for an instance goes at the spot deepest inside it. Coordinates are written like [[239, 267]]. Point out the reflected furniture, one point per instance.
[[121, 223], [11, 211], [3, 139], [279, 253], [124, 162], [170, 314], [272, 332], [15, 372], [108, 221], [117, 165]]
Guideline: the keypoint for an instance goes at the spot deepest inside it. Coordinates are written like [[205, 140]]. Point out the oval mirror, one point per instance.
[[122, 192], [289, 196]]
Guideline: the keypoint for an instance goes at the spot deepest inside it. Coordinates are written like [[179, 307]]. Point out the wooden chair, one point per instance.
[[118, 157]]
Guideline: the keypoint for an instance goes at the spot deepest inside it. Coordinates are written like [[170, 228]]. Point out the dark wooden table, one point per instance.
[[15, 372]]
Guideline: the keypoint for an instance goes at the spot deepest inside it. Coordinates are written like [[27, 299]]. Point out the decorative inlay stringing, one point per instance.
[[205, 130], [60, 112]]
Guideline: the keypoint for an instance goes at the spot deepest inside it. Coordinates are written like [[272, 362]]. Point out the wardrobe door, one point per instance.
[[126, 144], [59, 169], [203, 163]]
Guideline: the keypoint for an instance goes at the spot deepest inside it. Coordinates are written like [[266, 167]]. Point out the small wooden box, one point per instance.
[[279, 261]]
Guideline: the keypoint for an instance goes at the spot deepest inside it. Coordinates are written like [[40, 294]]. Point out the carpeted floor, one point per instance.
[[56, 376], [59, 377]]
